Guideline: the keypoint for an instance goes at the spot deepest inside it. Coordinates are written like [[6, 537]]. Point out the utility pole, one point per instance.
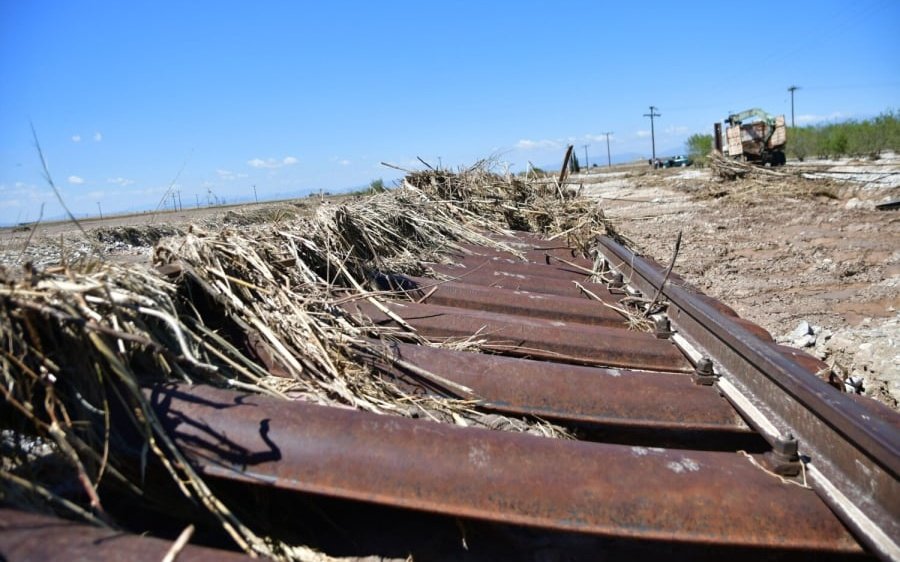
[[651, 115], [99, 210], [197, 197], [254, 193], [180, 206], [792, 89], [608, 159], [587, 163]]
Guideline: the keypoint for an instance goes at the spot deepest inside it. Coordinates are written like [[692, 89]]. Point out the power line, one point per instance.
[[792, 89], [651, 115], [608, 159]]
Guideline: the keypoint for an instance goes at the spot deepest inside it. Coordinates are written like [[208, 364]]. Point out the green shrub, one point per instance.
[[849, 138], [699, 146]]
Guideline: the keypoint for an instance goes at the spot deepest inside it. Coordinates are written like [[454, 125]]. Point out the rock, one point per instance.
[[808, 340], [857, 203], [853, 384], [871, 355], [822, 336], [803, 335], [802, 329]]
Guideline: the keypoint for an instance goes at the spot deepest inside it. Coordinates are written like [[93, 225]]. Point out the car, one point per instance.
[[678, 162]]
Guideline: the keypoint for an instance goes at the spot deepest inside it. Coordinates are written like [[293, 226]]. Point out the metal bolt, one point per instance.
[[786, 447], [703, 373], [705, 366], [783, 458], [662, 327]]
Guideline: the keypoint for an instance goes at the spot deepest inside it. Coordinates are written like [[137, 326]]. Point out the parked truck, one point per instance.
[[755, 136]]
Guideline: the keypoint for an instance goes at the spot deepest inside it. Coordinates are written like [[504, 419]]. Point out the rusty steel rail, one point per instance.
[[519, 277], [29, 536], [498, 260], [576, 396], [676, 496], [535, 337], [505, 301], [852, 447], [705, 382], [536, 250]]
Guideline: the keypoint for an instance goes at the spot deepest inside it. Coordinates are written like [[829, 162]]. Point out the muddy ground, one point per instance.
[[810, 260], [805, 255]]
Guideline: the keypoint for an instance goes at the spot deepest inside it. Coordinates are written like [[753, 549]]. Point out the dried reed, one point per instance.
[[254, 308]]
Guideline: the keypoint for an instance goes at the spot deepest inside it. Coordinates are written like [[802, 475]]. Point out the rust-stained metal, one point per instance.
[[559, 257], [506, 262], [522, 277], [854, 455], [536, 337], [631, 391], [671, 495], [583, 396], [32, 537], [564, 169], [505, 301], [540, 250], [518, 278]]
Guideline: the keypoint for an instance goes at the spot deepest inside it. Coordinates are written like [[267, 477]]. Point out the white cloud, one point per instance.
[[76, 180], [98, 137], [526, 144], [676, 130], [642, 134], [229, 175], [122, 182], [76, 138], [344, 162], [272, 162]]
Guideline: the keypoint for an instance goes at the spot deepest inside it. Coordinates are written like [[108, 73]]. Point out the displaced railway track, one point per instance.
[[699, 439]]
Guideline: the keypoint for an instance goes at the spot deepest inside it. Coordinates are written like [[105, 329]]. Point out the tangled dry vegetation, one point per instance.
[[259, 308], [745, 181]]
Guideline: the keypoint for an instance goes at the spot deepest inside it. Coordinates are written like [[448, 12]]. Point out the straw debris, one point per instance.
[[748, 182], [258, 308]]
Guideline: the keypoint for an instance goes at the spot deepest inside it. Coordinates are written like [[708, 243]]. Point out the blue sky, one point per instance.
[[294, 97]]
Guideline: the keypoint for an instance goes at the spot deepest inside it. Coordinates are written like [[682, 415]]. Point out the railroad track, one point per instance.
[[701, 439]]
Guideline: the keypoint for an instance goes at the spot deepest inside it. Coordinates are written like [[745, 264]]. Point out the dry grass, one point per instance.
[[255, 308], [748, 183]]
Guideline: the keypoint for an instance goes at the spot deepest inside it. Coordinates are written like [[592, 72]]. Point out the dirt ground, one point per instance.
[[808, 258]]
